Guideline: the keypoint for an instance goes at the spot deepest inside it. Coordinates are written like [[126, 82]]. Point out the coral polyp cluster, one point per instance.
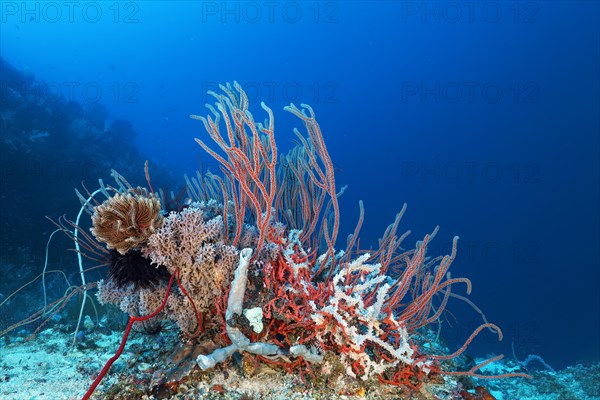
[[252, 264]]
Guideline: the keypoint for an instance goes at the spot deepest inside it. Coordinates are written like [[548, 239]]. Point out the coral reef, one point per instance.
[[251, 265]]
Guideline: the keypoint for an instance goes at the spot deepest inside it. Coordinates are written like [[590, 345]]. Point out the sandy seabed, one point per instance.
[[48, 367]]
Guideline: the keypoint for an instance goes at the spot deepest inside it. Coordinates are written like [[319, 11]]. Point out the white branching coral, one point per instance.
[[363, 326]]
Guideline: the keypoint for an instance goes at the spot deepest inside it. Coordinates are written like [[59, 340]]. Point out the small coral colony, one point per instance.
[[253, 263]]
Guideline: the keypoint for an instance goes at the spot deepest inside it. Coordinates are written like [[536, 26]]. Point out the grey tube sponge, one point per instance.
[[238, 285], [234, 307], [239, 341], [236, 299], [217, 356], [264, 349], [310, 354]]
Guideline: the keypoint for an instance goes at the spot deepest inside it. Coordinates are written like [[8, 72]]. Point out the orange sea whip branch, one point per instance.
[[327, 176], [246, 160], [472, 372]]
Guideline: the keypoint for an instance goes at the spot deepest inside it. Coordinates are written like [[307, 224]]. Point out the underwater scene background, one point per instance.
[[483, 117]]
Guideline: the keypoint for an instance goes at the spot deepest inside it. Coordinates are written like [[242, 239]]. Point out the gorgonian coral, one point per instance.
[[192, 241]]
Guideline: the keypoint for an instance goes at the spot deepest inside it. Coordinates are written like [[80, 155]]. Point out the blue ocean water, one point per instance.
[[482, 116]]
